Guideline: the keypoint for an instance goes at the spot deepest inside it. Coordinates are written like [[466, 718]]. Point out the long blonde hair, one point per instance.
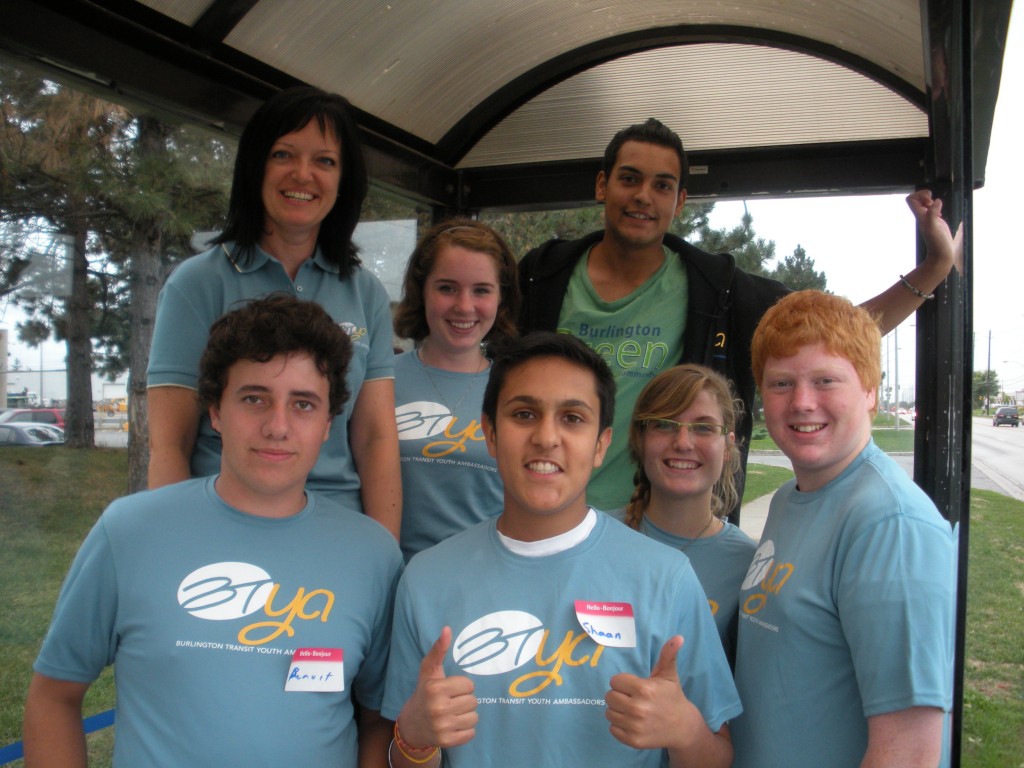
[[665, 395]]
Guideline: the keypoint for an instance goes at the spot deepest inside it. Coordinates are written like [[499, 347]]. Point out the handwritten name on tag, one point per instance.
[[316, 669], [610, 624]]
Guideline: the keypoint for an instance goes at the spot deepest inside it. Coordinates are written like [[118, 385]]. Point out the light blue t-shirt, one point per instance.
[[720, 562], [449, 481], [846, 612], [639, 336], [206, 286], [540, 676], [200, 607]]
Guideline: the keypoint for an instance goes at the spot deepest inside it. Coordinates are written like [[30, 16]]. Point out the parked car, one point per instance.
[[1007, 414], [53, 416], [24, 433]]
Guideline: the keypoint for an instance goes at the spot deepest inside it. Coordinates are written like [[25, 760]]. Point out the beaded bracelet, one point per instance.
[[404, 747], [915, 291]]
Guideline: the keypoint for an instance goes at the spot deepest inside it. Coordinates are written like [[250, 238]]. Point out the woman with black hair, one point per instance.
[[296, 194]]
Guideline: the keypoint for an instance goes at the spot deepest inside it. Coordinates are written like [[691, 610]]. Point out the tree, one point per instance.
[[984, 388], [526, 230], [752, 253], [54, 168], [125, 193], [173, 182], [797, 271]]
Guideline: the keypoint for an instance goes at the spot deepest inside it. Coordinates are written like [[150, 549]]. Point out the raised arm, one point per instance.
[[373, 437], [902, 299], [53, 733], [440, 713], [173, 425], [654, 713]]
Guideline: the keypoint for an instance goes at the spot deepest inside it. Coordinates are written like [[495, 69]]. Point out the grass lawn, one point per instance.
[[762, 479], [49, 498], [994, 677]]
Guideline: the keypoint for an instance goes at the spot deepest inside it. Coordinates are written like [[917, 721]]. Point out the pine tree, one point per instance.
[[125, 192], [797, 271]]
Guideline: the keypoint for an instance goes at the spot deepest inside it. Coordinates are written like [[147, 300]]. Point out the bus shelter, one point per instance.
[[468, 106]]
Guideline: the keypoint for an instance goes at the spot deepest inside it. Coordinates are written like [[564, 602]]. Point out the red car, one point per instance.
[[53, 416]]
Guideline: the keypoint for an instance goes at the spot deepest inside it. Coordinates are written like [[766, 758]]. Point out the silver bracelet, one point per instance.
[[915, 291]]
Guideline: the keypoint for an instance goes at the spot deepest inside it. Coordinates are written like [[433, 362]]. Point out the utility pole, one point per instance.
[[988, 374], [896, 343]]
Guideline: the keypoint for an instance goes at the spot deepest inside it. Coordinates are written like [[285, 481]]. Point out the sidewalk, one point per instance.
[[753, 514]]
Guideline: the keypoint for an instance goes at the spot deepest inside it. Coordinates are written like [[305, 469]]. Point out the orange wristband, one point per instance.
[[405, 748]]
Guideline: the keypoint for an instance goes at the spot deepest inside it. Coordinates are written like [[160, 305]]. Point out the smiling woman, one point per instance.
[[297, 190]]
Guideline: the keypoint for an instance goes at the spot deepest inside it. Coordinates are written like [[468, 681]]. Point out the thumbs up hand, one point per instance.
[[442, 710], [653, 712]]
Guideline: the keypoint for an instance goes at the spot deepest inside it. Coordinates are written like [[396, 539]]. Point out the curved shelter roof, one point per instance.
[[474, 103]]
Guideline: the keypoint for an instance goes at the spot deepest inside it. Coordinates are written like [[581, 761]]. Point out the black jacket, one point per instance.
[[725, 305]]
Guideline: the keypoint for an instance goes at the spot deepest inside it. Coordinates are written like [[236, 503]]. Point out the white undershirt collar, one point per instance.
[[555, 544]]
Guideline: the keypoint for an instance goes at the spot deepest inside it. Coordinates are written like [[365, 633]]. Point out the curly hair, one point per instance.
[[666, 395], [278, 324]]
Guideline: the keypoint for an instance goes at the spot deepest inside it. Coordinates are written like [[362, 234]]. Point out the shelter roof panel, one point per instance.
[[398, 60], [760, 97]]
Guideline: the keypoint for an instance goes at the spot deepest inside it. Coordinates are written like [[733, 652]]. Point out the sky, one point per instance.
[[863, 244]]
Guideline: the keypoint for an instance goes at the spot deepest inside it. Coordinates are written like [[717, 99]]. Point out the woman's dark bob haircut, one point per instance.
[[286, 112]]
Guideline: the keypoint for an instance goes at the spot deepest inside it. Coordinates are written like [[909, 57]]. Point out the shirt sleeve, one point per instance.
[[82, 639], [179, 338], [896, 594]]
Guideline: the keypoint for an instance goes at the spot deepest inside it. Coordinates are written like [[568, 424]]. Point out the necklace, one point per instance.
[[711, 519], [439, 391]]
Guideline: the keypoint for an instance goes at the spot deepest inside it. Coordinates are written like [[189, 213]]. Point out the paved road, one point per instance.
[[111, 437], [997, 454]]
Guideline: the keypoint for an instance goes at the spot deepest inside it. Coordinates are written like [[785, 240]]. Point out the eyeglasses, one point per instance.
[[700, 429]]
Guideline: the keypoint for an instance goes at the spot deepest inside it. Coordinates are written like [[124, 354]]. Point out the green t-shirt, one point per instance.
[[639, 336]]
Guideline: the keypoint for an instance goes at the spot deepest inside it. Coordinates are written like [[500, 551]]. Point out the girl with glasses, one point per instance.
[[682, 441]]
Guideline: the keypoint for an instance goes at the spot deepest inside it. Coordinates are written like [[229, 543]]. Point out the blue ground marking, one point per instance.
[[16, 751]]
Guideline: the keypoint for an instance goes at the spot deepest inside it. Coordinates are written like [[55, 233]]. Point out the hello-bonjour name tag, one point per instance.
[[316, 669], [610, 624]]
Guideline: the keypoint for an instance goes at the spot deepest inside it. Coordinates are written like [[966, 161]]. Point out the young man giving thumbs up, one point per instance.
[[554, 635]]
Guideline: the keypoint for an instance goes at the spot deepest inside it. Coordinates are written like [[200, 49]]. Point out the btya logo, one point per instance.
[[766, 573], [426, 420], [230, 590], [504, 641]]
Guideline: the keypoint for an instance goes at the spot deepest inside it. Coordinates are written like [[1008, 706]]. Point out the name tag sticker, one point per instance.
[[610, 624], [316, 669]]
